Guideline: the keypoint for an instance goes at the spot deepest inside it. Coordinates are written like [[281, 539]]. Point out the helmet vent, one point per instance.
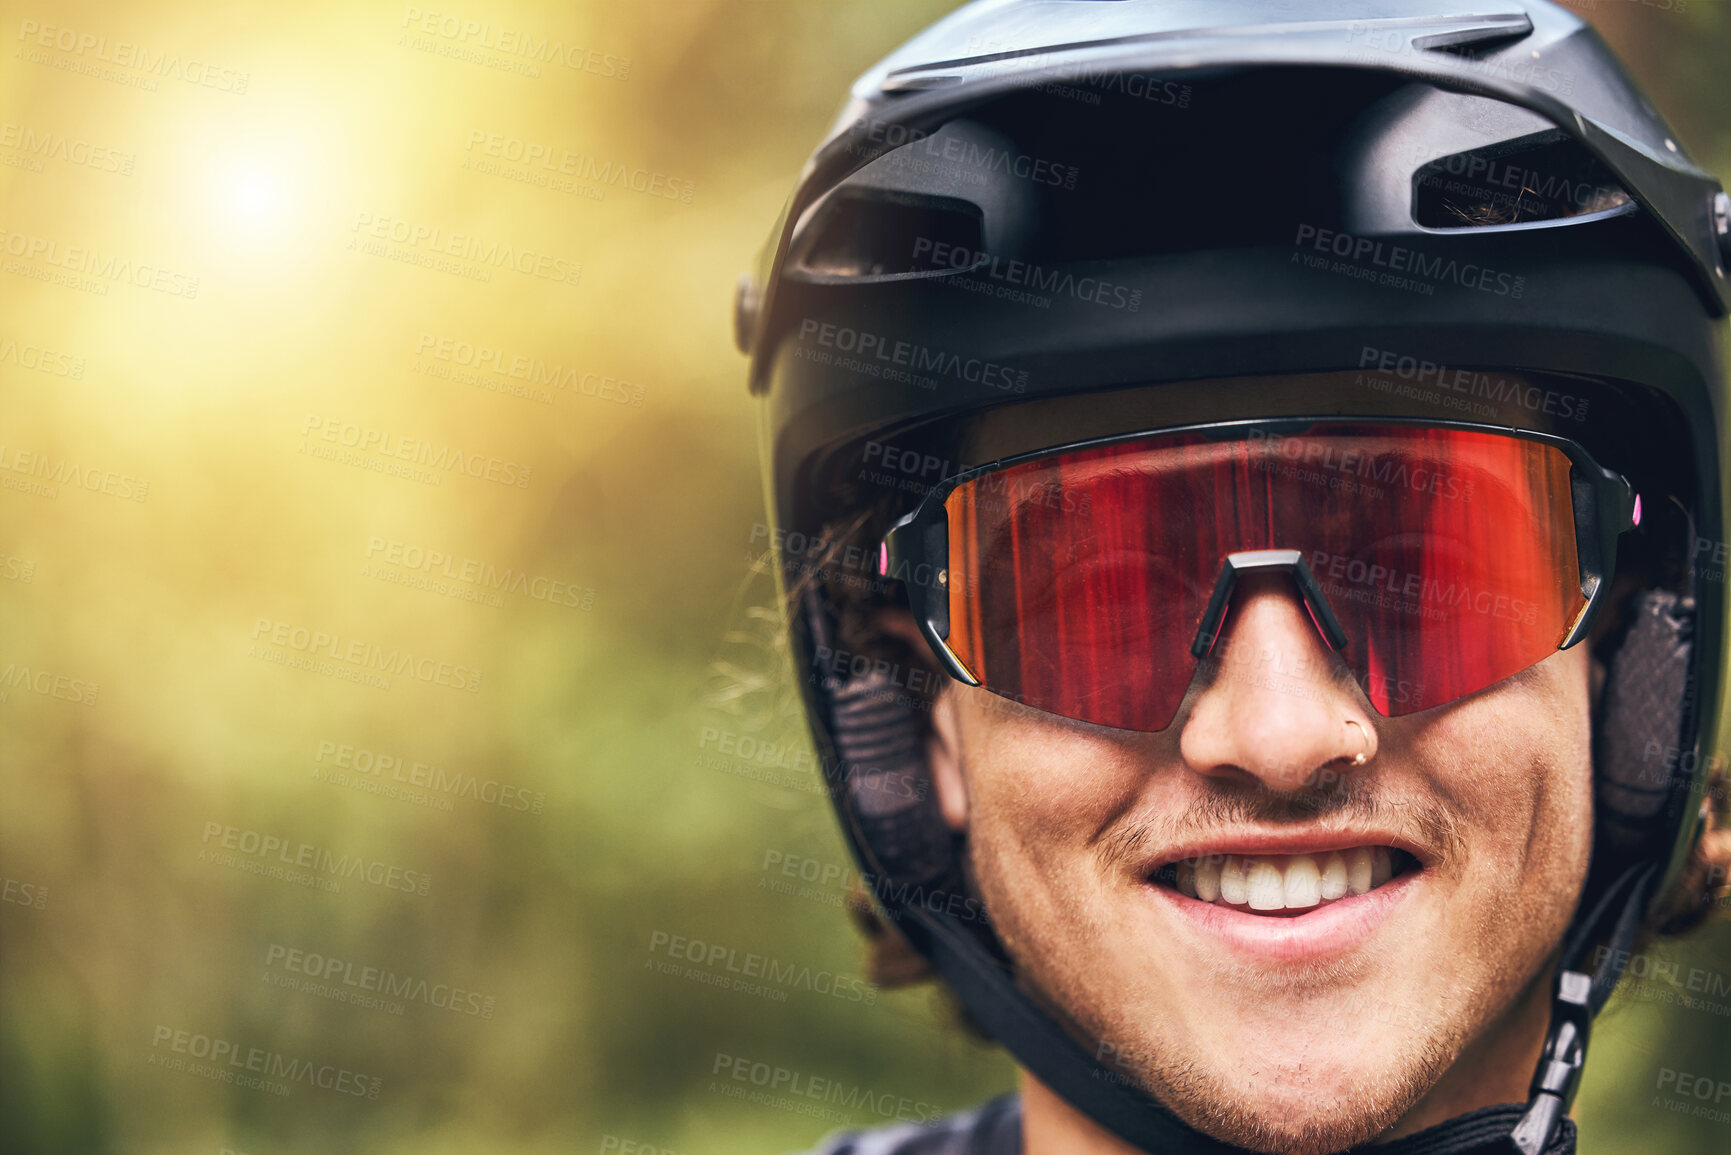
[[870, 233], [1547, 176]]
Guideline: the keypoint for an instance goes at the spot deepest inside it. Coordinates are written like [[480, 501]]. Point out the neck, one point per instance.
[[1495, 1067], [1050, 1126]]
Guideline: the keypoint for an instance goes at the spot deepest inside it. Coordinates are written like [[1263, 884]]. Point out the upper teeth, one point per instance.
[[1283, 881]]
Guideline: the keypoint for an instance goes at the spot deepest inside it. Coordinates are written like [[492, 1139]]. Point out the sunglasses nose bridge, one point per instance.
[[1250, 561]]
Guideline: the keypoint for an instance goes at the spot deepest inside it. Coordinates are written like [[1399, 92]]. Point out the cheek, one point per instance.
[[1039, 795], [1517, 763], [1042, 783]]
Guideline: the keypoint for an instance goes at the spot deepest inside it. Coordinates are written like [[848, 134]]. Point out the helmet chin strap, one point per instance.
[[1643, 711], [1578, 998], [989, 993], [1038, 1043]]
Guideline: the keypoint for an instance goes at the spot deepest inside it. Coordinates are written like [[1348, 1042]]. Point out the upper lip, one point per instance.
[[1318, 840]]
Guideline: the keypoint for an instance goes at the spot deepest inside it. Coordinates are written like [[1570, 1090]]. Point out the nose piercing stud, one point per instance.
[[1360, 758]]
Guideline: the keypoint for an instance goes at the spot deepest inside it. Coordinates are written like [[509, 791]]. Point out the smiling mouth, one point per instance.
[[1284, 885]]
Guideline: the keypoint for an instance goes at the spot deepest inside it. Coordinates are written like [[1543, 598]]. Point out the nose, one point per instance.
[[1273, 704]]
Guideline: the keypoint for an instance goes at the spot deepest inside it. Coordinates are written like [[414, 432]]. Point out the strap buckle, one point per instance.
[[1559, 1071]]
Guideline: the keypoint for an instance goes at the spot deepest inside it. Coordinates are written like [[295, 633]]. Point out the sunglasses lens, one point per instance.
[[1078, 580]]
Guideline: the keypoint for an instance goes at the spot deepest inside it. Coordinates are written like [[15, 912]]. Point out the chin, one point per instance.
[[1307, 1093], [1284, 1120]]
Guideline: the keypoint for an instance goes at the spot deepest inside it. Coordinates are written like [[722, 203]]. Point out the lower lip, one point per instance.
[[1329, 930]]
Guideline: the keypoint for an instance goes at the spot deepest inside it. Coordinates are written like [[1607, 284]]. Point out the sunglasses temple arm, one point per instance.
[[915, 552], [1606, 507]]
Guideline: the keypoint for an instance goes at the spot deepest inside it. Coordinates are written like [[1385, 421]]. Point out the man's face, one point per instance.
[[1277, 1021]]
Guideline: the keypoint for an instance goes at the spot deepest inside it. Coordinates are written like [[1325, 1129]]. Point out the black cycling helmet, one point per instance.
[[1044, 220]]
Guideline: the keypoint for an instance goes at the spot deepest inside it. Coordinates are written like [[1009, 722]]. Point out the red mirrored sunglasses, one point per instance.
[[1436, 559]]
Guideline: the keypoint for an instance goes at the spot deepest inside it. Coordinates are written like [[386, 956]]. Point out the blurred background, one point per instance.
[[396, 750]]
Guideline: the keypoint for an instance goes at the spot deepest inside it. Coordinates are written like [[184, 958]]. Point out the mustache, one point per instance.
[[1353, 804]]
